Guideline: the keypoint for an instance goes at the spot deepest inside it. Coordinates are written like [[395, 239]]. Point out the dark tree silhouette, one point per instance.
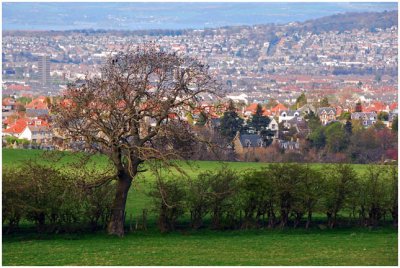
[[231, 123], [132, 114], [259, 121]]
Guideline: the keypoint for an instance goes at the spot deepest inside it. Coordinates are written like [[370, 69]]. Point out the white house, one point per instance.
[[288, 115], [37, 134], [273, 125], [367, 118], [326, 114]]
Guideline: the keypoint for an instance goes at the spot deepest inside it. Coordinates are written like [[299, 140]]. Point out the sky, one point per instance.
[[144, 16]]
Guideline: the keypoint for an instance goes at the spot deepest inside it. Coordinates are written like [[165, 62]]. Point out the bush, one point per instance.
[[257, 196], [15, 205], [52, 200], [169, 200], [340, 185], [392, 202], [97, 205], [198, 200], [222, 197]]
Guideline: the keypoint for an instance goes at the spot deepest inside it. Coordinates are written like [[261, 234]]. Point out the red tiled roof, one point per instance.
[[267, 112], [38, 103], [376, 106], [18, 87], [393, 106], [8, 101], [252, 108], [279, 107], [17, 127]]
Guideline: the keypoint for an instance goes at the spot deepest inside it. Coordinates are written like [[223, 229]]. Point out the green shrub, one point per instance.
[[257, 198], [198, 200], [97, 205], [14, 206], [169, 196], [339, 186], [52, 200], [223, 200]]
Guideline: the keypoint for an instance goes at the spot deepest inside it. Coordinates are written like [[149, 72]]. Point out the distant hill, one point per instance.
[[338, 22], [349, 21]]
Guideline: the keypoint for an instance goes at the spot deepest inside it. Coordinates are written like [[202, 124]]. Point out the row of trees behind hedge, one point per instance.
[[278, 196]]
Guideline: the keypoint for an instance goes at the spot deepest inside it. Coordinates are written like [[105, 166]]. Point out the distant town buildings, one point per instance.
[[44, 70], [262, 65]]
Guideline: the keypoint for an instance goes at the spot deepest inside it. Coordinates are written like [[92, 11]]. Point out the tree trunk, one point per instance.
[[309, 219], [333, 220], [116, 224], [395, 216], [271, 217], [329, 216]]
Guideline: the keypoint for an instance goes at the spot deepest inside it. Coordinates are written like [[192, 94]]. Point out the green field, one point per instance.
[[341, 246]]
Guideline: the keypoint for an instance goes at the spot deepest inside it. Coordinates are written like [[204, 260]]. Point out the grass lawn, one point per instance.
[[257, 247], [262, 247]]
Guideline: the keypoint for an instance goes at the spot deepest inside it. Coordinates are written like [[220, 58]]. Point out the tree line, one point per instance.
[[351, 142], [278, 196]]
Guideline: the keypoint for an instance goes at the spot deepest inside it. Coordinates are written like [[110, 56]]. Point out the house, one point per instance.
[[299, 124], [339, 110], [249, 141], [289, 145], [367, 118], [8, 104], [393, 106], [307, 109], [37, 134], [249, 147], [278, 109], [273, 126], [14, 87], [302, 128], [326, 114], [16, 128], [250, 110], [38, 103], [288, 115], [9, 107], [377, 107]]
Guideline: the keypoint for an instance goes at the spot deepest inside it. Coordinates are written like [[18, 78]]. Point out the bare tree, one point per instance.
[[132, 113]]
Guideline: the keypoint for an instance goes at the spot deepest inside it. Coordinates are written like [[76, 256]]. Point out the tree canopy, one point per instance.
[[132, 113]]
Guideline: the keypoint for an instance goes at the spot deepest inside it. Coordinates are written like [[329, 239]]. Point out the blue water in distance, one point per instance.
[[144, 16]]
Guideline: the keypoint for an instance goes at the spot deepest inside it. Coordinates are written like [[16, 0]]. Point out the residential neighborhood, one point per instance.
[[29, 119]]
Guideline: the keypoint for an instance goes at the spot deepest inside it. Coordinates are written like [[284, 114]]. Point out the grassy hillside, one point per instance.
[[204, 247]]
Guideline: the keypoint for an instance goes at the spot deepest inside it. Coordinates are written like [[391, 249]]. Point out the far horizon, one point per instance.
[[178, 15]]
